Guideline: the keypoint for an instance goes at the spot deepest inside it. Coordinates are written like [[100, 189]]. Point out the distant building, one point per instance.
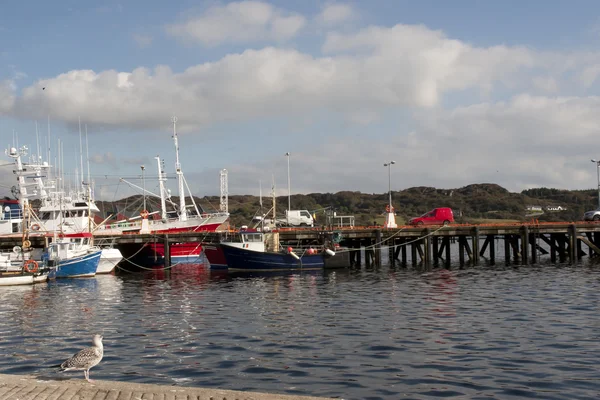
[[556, 208], [534, 208]]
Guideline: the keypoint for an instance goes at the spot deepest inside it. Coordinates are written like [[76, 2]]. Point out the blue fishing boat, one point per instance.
[[251, 254], [73, 256]]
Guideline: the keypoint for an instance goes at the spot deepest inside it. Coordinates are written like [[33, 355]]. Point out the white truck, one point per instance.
[[294, 218]]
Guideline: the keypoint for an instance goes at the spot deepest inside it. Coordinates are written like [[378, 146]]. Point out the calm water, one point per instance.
[[476, 333]]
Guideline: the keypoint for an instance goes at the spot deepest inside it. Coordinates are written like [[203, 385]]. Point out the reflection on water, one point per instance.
[[352, 333]]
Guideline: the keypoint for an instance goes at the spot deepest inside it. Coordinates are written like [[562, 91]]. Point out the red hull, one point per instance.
[[215, 256], [203, 228]]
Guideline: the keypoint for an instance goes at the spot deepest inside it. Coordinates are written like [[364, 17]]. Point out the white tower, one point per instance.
[[224, 202]]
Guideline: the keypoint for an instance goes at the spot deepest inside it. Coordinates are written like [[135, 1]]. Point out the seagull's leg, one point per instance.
[[85, 373], [87, 376]]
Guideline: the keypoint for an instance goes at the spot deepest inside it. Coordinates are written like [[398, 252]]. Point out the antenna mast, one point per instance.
[[182, 210], [161, 184]]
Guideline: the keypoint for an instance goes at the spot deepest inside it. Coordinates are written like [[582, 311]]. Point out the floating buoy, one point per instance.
[[294, 255], [310, 251], [290, 249], [330, 252]]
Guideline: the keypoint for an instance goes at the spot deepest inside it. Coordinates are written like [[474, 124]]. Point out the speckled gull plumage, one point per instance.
[[85, 359]]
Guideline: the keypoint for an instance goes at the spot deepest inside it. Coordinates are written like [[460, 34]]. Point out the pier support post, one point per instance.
[[377, 253], [435, 241], [413, 253], [507, 247], [461, 251], [552, 248], [533, 246], [167, 246], [524, 245], [427, 249], [573, 254], [492, 249], [475, 244], [447, 246]]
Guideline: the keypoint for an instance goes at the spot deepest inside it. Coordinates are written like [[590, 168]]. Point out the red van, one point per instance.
[[437, 216]]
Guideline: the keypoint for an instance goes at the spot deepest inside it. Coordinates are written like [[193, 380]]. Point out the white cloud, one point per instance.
[[370, 71], [7, 96], [336, 13], [107, 158], [239, 22], [526, 141], [142, 40], [546, 84]]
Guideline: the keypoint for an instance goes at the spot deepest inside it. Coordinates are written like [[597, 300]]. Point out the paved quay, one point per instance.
[[46, 387]]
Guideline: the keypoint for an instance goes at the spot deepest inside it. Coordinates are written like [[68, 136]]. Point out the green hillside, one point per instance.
[[472, 203]]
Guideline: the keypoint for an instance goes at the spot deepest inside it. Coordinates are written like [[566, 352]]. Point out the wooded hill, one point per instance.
[[473, 203]]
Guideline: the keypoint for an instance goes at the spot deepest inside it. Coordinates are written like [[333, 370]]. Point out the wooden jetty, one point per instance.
[[46, 387], [523, 243]]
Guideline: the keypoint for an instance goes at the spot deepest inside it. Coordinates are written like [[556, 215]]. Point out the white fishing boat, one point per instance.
[[15, 269], [61, 211]]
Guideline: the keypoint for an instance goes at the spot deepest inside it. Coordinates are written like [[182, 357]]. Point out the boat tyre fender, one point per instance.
[[31, 266]]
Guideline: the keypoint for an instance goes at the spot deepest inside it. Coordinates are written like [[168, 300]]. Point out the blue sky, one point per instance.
[[455, 92]]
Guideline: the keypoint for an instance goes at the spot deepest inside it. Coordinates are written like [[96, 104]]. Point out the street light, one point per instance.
[[289, 190], [598, 170], [143, 186], [389, 165]]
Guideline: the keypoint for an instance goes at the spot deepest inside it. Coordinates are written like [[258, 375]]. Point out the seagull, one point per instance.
[[85, 359]]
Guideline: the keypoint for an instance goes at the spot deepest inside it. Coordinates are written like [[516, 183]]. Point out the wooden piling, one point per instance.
[[167, 247], [524, 245]]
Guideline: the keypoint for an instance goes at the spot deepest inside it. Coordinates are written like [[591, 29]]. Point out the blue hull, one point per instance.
[[248, 260], [78, 267]]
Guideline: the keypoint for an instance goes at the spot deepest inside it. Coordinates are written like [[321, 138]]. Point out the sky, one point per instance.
[[455, 93]]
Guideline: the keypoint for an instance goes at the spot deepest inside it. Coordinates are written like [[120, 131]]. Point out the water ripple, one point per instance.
[[386, 333]]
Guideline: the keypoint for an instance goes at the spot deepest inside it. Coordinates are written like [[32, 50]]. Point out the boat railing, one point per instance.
[[11, 214]]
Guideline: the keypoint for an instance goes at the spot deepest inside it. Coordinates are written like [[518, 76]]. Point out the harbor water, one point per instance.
[[363, 333]]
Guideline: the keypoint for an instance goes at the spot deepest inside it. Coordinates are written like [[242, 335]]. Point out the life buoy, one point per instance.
[[35, 227], [144, 214], [389, 209], [31, 266]]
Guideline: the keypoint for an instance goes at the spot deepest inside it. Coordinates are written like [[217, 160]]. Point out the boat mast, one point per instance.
[[161, 184], [182, 210]]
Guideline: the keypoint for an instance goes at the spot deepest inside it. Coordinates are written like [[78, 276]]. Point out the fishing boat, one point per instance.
[[258, 251], [62, 211], [72, 256], [15, 270], [180, 217], [111, 256]]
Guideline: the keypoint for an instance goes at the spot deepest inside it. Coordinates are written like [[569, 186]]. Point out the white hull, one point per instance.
[[22, 280], [109, 260], [192, 224]]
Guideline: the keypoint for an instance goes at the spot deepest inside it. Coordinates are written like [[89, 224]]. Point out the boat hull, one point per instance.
[[154, 254], [240, 259], [109, 260], [77, 267], [22, 279], [215, 256]]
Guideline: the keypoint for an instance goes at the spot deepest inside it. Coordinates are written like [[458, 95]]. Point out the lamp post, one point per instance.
[[289, 190], [143, 186], [389, 165], [598, 171]]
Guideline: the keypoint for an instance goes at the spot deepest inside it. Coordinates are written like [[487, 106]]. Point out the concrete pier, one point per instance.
[[47, 387]]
